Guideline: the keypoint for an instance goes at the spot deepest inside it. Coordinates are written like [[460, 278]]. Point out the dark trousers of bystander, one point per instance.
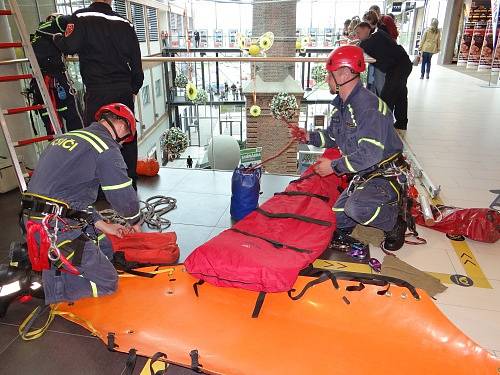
[[395, 93], [95, 99]]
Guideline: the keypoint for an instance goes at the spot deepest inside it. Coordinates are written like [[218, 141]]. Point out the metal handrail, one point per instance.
[[269, 59]]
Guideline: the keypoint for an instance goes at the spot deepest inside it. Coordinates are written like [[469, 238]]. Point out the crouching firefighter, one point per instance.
[[56, 78], [65, 236], [361, 126]]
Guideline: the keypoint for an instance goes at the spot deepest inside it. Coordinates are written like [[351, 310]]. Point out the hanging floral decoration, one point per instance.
[[283, 106], [180, 80], [319, 73], [191, 91], [201, 97], [254, 50], [255, 111], [174, 142]]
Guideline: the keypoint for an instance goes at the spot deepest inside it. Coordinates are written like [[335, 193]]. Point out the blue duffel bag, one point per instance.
[[245, 189]]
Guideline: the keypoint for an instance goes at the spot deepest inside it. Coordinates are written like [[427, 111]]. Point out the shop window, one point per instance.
[[145, 95], [158, 88], [137, 11], [152, 24]]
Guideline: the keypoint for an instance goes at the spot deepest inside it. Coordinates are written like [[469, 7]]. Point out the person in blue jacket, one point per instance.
[[361, 126], [66, 181]]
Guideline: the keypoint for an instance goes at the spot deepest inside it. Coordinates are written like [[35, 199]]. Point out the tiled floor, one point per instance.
[[454, 132]]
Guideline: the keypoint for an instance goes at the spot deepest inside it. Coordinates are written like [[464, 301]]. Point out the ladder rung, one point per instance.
[[15, 77], [25, 142], [10, 44], [13, 111], [5, 12]]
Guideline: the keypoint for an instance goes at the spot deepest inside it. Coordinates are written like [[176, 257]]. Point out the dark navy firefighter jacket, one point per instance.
[[362, 128], [73, 166]]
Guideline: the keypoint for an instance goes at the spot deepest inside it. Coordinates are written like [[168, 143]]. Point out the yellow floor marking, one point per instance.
[[157, 366], [342, 266], [468, 260]]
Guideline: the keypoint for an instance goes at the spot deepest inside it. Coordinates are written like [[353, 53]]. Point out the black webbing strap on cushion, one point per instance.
[[155, 358], [276, 244], [196, 285], [111, 342], [293, 216], [324, 276], [303, 194], [122, 265], [130, 364], [258, 304], [363, 278], [195, 360]]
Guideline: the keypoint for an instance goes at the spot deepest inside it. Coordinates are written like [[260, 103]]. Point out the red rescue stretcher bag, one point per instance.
[[139, 249], [267, 249], [479, 224]]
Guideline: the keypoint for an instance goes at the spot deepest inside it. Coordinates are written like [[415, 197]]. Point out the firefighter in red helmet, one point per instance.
[[58, 204], [361, 126]]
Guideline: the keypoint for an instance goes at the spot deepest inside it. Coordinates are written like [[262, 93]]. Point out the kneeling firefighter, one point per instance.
[[63, 232], [361, 126]]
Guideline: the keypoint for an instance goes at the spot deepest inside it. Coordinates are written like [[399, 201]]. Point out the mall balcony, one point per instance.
[[452, 134]]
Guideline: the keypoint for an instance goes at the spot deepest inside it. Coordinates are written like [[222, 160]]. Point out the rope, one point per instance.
[[152, 211]]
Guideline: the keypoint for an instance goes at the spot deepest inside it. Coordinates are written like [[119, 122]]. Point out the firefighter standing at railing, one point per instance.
[[110, 63]]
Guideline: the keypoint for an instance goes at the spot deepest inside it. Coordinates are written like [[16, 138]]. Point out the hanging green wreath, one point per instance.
[[180, 80], [283, 106], [174, 142], [201, 97], [319, 73]]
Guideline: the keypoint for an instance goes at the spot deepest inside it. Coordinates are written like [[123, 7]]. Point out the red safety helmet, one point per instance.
[[346, 56], [122, 111]]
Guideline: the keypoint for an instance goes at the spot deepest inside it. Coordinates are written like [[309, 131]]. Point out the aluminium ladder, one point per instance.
[[25, 43]]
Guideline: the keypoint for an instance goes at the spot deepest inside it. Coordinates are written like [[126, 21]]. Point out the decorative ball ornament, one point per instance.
[[201, 97], [191, 91], [319, 74], [283, 106], [254, 50], [174, 142], [223, 153], [255, 111], [180, 80]]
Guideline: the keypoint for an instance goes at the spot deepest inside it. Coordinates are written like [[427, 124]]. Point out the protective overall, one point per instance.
[[362, 128], [49, 58], [68, 174], [110, 63]]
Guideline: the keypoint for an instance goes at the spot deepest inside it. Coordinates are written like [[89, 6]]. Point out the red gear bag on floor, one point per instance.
[[479, 224], [147, 247], [267, 249]]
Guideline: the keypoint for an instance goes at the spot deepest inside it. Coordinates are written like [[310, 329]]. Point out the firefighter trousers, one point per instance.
[[373, 203]]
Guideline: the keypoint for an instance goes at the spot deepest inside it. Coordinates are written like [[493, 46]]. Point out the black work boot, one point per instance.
[[342, 240], [395, 239]]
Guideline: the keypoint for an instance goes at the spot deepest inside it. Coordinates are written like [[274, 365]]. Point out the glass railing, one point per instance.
[[174, 127]]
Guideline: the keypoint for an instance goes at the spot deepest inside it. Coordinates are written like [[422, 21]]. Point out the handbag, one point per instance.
[[416, 60]]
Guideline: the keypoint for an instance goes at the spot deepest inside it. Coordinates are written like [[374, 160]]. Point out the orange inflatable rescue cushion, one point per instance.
[[147, 247], [344, 327], [147, 167]]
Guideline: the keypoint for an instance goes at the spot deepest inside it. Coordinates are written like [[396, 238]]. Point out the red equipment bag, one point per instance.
[[479, 224], [267, 249], [147, 248]]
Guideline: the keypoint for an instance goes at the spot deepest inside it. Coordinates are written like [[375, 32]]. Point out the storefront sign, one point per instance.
[[204, 38], [397, 7], [476, 45], [328, 42], [410, 5], [495, 18], [218, 38], [465, 43], [487, 51], [232, 38], [313, 37], [308, 158], [251, 156]]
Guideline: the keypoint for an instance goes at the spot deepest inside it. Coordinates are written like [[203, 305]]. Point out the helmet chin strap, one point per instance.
[[339, 85], [117, 138]]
